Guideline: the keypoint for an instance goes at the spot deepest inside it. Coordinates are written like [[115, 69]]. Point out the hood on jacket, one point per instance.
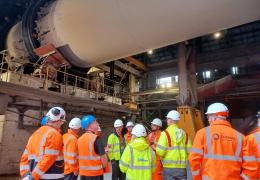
[[179, 133], [139, 143]]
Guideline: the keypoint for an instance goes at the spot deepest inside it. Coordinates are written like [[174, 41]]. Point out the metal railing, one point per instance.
[[95, 88]]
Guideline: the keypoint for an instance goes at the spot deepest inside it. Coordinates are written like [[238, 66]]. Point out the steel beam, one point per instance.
[[137, 63], [128, 68]]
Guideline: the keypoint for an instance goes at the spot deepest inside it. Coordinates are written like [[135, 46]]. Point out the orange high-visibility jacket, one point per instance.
[[217, 153], [253, 140], [128, 137], [89, 161], [153, 138], [70, 150], [43, 156]]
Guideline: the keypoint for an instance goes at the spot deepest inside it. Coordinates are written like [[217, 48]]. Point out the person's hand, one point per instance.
[[76, 173], [106, 149]]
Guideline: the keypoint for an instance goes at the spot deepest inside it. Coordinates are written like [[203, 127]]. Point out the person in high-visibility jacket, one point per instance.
[[138, 160], [153, 138], [128, 135], [92, 156], [42, 157], [70, 150], [250, 127], [99, 134], [173, 147], [219, 152], [116, 145]]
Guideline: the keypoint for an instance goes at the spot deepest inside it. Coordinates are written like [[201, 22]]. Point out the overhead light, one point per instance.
[[150, 52], [217, 35]]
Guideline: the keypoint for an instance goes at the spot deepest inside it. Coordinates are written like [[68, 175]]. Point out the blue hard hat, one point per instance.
[[44, 120], [87, 120]]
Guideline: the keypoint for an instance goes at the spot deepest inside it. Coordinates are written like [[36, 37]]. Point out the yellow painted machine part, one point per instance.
[[190, 121]]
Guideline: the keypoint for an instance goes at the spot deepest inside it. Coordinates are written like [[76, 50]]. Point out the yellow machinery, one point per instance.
[[191, 120]]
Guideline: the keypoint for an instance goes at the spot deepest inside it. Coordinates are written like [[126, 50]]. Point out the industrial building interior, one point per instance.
[[218, 63]]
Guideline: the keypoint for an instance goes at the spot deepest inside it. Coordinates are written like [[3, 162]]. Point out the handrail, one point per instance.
[[96, 86]]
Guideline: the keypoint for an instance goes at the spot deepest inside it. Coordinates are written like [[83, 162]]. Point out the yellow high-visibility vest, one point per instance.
[[114, 146], [138, 160], [173, 147]]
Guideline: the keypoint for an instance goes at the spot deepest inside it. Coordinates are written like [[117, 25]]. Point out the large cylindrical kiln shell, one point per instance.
[[91, 32]]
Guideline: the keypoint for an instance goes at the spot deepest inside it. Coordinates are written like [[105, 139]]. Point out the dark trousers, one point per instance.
[[116, 173], [70, 176], [92, 177], [174, 174]]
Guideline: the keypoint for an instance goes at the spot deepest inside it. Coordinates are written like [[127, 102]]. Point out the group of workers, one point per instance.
[[219, 152]]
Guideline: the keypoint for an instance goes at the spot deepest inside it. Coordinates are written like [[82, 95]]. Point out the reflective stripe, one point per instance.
[[208, 140], [140, 167], [25, 152], [33, 157], [161, 147], [223, 157], [188, 149], [89, 157], [24, 167], [176, 148], [245, 177], [174, 162], [59, 158], [69, 161], [70, 154], [51, 152], [257, 137], [37, 159], [52, 176], [220, 156], [91, 167], [205, 177], [196, 150], [123, 163], [195, 173], [132, 166], [65, 147], [38, 171], [131, 156], [43, 140], [239, 144], [249, 158], [258, 159]]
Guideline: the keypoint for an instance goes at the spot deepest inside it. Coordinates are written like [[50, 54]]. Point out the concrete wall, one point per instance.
[[13, 143]]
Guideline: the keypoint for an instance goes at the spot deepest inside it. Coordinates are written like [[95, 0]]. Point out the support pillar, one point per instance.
[[183, 97]]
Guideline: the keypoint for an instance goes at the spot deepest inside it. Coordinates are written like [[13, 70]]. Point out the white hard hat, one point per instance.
[[118, 123], [218, 109], [139, 130], [173, 115], [55, 114], [75, 123], [157, 122], [129, 124]]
